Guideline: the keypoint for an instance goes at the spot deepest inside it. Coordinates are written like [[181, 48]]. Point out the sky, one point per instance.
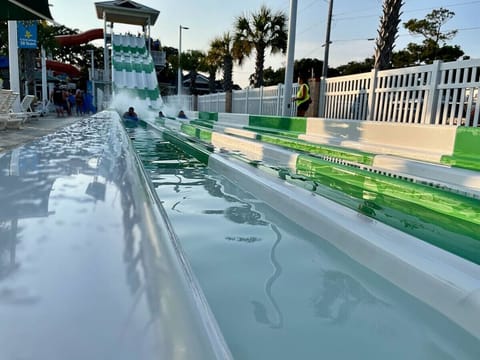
[[353, 23]]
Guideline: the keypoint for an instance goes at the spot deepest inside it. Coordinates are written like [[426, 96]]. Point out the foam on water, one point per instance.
[[121, 101]]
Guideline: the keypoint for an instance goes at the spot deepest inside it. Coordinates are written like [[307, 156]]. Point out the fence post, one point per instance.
[[260, 107], [314, 85], [279, 99], [229, 102], [372, 95], [431, 110], [195, 102], [246, 100], [322, 97]]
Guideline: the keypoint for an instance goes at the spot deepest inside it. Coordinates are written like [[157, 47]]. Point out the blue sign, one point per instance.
[[27, 34]]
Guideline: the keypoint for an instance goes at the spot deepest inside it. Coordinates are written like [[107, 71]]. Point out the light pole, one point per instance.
[[179, 90], [92, 74]]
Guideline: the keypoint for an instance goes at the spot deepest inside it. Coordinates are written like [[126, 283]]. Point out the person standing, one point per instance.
[[71, 102], [79, 102], [57, 97], [302, 100]]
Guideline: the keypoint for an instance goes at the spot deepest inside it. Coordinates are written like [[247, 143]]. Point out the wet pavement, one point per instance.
[[32, 129]]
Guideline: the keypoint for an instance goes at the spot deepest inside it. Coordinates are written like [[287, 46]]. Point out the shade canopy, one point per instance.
[[126, 12], [25, 10]]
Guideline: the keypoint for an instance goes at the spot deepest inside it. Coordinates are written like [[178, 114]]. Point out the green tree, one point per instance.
[[434, 45], [431, 26], [308, 67], [356, 67], [272, 77], [260, 31]]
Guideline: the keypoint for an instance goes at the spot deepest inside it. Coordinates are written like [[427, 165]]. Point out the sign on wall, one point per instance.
[[27, 34]]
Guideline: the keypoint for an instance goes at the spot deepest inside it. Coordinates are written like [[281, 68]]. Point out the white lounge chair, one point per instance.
[[26, 106], [4, 96], [13, 119]]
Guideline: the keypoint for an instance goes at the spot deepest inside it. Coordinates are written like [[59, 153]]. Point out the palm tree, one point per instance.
[[193, 61], [259, 31], [213, 63], [387, 33], [222, 47]]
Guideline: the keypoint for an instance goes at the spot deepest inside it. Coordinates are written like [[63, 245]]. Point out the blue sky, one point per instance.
[[353, 23]]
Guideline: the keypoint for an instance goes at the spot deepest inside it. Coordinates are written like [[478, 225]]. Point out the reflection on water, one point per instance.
[[81, 169], [8, 245], [244, 215], [260, 310], [340, 295], [279, 292]]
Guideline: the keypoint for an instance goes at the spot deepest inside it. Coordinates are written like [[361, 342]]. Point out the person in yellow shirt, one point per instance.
[[302, 99]]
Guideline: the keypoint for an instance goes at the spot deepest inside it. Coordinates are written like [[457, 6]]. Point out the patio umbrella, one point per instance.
[[25, 10]]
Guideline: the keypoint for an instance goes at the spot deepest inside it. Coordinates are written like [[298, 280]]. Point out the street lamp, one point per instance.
[[179, 90]]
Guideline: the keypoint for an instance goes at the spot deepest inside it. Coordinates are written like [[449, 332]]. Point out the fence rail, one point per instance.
[[440, 93]]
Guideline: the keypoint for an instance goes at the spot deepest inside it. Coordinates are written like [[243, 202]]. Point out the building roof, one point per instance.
[[127, 12], [25, 10]]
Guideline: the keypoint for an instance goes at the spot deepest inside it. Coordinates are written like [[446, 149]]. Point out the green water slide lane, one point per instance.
[[466, 152], [447, 220]]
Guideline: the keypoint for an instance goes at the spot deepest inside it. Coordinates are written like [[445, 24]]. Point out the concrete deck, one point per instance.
[[34, 128]]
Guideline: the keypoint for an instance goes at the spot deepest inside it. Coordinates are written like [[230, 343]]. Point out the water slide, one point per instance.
[[81, 38], [60, 67], [133, 75], [70, 40]]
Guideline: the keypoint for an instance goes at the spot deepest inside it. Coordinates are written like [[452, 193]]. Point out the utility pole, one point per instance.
[[287, 91], [327, 40], [323, 82]]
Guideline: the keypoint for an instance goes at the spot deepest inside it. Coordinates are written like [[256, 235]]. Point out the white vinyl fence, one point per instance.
[[212, 102], [439, 93]]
